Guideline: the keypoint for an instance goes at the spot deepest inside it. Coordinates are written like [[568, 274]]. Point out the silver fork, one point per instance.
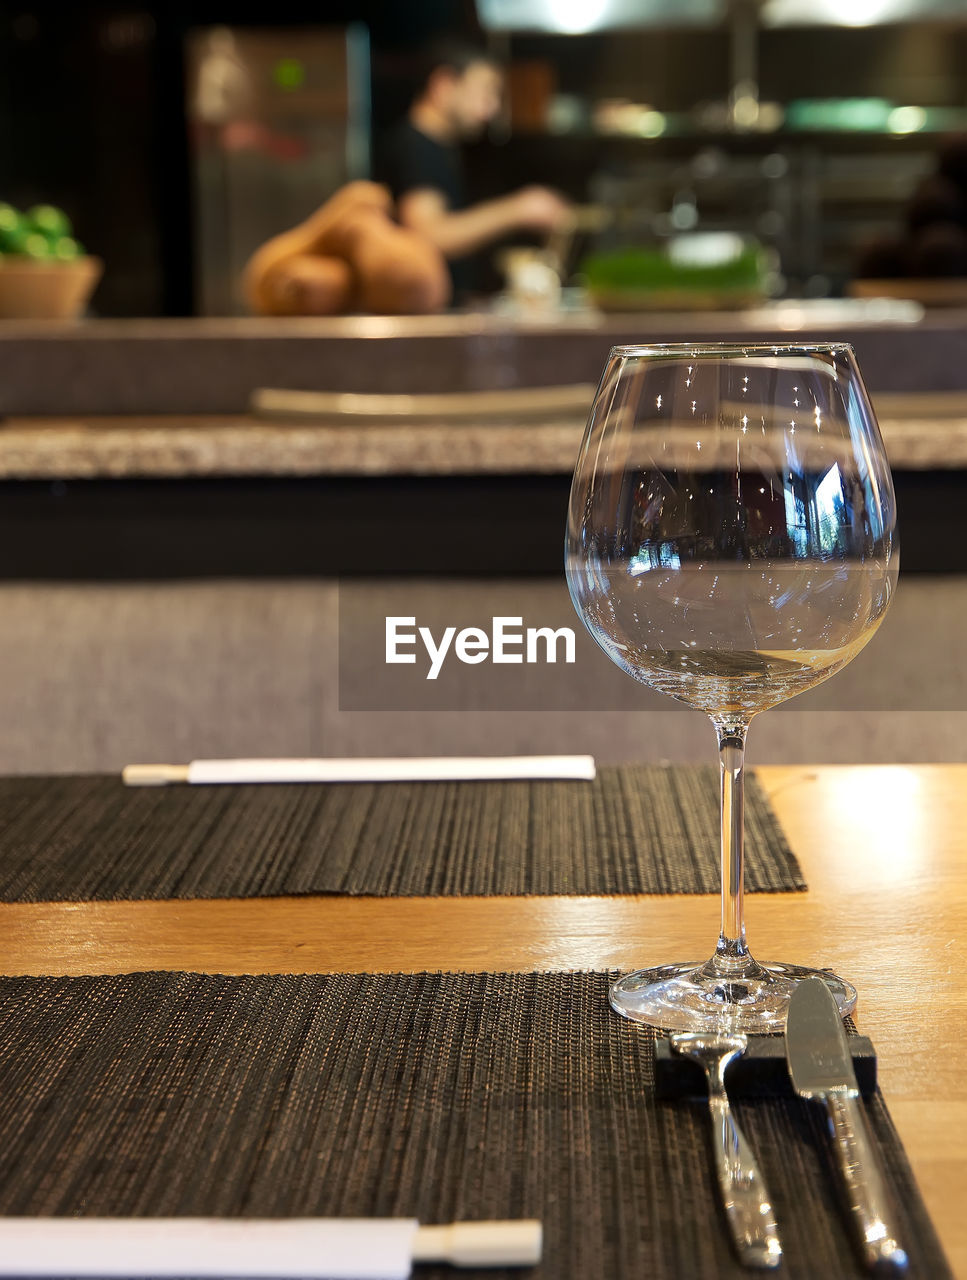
[[748, 1208]]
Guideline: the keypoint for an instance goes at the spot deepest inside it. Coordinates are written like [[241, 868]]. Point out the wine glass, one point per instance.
[[731, 542]]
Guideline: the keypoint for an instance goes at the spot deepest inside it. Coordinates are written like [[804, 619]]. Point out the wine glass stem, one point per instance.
[[731, 949]]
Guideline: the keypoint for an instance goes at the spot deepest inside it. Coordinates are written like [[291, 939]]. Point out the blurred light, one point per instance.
[[571, 17], [709, 162], [775, 166], [771, 116], [630, 119], [651, 124], [861, 114], [906, 119], [565, 114], [705, 249], [683, 216], [745, 110], [862, 13], [289, 74]]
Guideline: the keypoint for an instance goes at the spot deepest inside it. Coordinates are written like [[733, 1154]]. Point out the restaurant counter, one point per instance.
[[175, 495], [148, 522], [205, 366]]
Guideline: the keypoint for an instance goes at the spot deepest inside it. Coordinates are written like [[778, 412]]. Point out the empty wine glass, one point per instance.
[[731, 542]]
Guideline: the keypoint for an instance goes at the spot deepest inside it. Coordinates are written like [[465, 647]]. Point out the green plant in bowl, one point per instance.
[[49, 221], [22, 242], [639, 276], [66, 249], [42, 234]]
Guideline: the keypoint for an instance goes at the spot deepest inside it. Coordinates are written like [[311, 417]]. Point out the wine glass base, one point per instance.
[[688, 997]]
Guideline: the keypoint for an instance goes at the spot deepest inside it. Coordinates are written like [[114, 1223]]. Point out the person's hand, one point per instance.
[[539, 208]]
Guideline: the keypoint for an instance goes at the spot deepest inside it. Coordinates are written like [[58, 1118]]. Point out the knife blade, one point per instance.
[[821, 1068]]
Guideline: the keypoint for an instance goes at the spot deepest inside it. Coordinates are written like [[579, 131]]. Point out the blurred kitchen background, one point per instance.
[[177, 137], [192, 501]]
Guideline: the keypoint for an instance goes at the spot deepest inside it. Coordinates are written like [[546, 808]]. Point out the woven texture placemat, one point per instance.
[[439, 1096], [635, 829]]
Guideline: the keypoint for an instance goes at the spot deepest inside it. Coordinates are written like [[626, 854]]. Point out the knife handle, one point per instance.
[[866, 1191], [744, 1193]]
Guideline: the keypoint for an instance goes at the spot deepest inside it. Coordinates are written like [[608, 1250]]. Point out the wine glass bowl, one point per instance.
[[731, 543]]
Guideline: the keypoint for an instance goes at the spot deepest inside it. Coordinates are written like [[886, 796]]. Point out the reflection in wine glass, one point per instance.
[[731, 542]]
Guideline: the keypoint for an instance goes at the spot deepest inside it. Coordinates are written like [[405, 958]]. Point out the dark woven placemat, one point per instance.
[[439, 1096], [635, 829]]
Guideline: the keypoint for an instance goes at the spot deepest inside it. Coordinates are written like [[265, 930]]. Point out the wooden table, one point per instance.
[[884, 850]]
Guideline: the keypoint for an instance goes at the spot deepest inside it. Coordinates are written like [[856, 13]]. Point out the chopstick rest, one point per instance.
[[761, 1072], [362, 769], [334, 1248]]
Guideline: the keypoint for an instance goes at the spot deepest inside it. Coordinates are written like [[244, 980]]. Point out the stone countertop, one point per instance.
[[212, 366], [922, 432]]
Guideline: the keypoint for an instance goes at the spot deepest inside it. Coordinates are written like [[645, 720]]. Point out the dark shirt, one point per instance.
[[412, 161]]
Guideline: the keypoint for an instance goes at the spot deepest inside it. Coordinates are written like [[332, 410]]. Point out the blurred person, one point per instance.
[[362, 252], [460, 94]]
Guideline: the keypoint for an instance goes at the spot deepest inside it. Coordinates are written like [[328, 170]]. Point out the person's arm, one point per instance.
[[459, 232]]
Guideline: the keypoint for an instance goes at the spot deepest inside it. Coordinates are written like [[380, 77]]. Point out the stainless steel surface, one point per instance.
[[745, 1197], [821, 1068], [830, 13], [278, 120]]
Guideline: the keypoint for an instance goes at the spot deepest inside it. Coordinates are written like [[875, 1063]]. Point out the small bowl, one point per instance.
[[32, 290]]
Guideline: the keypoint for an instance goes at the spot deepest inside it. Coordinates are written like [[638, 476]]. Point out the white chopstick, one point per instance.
[[361, 769], [334, 1248]]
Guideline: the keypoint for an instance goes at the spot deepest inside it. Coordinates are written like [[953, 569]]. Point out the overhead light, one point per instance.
[[576, 17], [865, 13], [572, 17]]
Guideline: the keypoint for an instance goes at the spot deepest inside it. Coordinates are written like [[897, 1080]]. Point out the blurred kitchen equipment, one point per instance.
[[534, 276], [581, 219], [278, 121], [533, 282]]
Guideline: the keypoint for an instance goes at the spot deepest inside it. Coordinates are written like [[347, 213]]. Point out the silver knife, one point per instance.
[[821, 1067]]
